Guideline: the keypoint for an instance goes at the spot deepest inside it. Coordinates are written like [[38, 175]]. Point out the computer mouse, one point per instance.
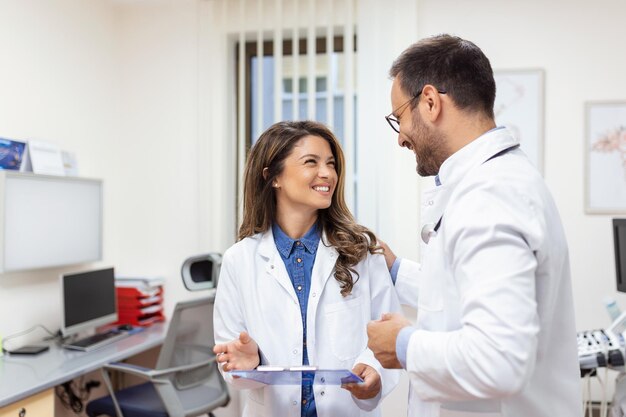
[[125, 327]]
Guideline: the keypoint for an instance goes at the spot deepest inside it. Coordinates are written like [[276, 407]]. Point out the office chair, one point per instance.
[[185, 381]]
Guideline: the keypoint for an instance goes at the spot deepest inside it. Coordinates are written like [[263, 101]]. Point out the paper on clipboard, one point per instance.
[[276, 375]]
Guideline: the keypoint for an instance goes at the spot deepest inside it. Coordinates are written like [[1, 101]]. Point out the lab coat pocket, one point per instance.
[[346, 328], [431, 295], [257, 395], [430, 298]]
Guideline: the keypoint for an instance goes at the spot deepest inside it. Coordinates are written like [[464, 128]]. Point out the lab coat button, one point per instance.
[[322, 393], [313, 294], [430, 203], [295, 351], [294, 403], [272, 266]]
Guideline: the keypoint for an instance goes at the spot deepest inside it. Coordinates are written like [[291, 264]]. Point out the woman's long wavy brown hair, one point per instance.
[[351, 240]]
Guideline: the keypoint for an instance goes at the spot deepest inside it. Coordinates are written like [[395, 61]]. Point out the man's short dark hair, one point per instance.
[[450, 64]]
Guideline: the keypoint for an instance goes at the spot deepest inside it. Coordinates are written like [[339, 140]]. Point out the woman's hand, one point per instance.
[[239, 354], [390, 257], [371, 385]]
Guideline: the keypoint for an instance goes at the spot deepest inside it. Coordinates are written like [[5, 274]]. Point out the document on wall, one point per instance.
[[295, 375], [45, 158]]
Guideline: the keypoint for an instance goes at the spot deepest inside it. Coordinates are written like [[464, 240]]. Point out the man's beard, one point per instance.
[[429, 148]]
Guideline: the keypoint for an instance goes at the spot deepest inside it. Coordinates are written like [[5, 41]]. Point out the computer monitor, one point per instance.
[[88, 300], [619, 239]]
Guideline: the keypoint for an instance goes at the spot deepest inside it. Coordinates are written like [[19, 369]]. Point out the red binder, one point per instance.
[[139, 301]]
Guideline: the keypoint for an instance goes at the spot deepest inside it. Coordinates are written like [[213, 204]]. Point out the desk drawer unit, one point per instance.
[[39, 405]]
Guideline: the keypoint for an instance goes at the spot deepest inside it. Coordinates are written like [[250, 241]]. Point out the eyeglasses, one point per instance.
[[393, 120]]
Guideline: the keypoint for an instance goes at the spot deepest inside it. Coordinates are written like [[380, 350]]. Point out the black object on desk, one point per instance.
[[29, 350]]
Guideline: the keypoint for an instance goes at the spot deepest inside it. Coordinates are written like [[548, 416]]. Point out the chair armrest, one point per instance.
[[181, 368], [152, 374], [139, 371]]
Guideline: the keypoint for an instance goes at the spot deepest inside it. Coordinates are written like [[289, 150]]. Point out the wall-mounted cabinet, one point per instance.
[[48, 221]]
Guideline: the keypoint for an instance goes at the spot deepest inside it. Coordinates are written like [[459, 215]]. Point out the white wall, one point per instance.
[[58, 82], [157, 213], [116, 83]]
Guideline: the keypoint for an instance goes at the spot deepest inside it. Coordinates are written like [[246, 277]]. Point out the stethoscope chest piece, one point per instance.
[[428, 232]]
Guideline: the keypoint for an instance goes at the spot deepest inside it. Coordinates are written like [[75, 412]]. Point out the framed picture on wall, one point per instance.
[[520, 107], [605, 157]]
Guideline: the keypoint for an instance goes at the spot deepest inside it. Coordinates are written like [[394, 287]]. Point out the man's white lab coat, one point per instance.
[[255, 294], [495, 318]]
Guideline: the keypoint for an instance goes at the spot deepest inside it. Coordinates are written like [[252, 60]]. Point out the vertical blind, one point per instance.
[[294, 86], [384, 29]]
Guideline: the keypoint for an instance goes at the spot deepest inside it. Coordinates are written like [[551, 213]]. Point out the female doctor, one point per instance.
[[303, 281]]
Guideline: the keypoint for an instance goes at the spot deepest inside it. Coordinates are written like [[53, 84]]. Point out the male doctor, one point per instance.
[[495, 330]]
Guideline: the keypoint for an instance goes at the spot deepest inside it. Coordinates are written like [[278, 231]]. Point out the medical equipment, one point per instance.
[[612, 308], [600, 348], [619, 240], [607, 348]]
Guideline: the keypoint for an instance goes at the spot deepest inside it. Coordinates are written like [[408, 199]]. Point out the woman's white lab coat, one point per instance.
[[255, 294], [495, 316]]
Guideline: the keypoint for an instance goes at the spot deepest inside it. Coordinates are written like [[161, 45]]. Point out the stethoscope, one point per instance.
[[429, 230]]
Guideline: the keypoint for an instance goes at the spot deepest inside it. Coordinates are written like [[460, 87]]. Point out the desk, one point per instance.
[[24, 375]]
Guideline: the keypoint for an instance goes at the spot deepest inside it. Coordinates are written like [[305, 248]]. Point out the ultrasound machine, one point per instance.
[[606, 347]]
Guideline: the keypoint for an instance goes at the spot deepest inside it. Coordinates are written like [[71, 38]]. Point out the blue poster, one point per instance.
[[11, 154]]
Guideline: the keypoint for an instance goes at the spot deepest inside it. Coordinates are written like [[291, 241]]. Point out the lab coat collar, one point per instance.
[[275, 266], [475, 153], [267, 247], [285, 244], [322, 268], [453, 170], [324, 263]]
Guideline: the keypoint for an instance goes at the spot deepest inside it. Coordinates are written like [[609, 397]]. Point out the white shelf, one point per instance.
[[48, 221]]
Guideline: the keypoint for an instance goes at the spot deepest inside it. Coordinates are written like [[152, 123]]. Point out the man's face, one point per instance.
[[416, 135]]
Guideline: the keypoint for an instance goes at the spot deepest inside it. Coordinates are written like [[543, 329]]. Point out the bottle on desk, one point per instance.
[[612, 308]]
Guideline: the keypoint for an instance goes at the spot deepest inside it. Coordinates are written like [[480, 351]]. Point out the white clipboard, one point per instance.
[[295, 375]]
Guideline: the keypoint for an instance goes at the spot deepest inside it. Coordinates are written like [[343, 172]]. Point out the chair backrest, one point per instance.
[[190, 341], [189, 336]]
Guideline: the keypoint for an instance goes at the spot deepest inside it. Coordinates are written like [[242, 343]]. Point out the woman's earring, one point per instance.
[[275, 185]]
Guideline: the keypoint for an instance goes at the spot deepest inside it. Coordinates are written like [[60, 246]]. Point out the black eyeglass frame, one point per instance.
[[391, 119]]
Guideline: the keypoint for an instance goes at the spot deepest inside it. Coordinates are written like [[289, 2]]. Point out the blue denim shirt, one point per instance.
[[299, 257]]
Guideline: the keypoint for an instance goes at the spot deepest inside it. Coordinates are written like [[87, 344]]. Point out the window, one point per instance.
[[294, 102]]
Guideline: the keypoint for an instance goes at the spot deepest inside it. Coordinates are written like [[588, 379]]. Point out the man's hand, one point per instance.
[[390, 257], [239, 354], [371, 385], [382, 335]]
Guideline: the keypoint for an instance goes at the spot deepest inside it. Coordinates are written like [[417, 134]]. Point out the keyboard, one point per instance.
[[600, 348], [97, 340]]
